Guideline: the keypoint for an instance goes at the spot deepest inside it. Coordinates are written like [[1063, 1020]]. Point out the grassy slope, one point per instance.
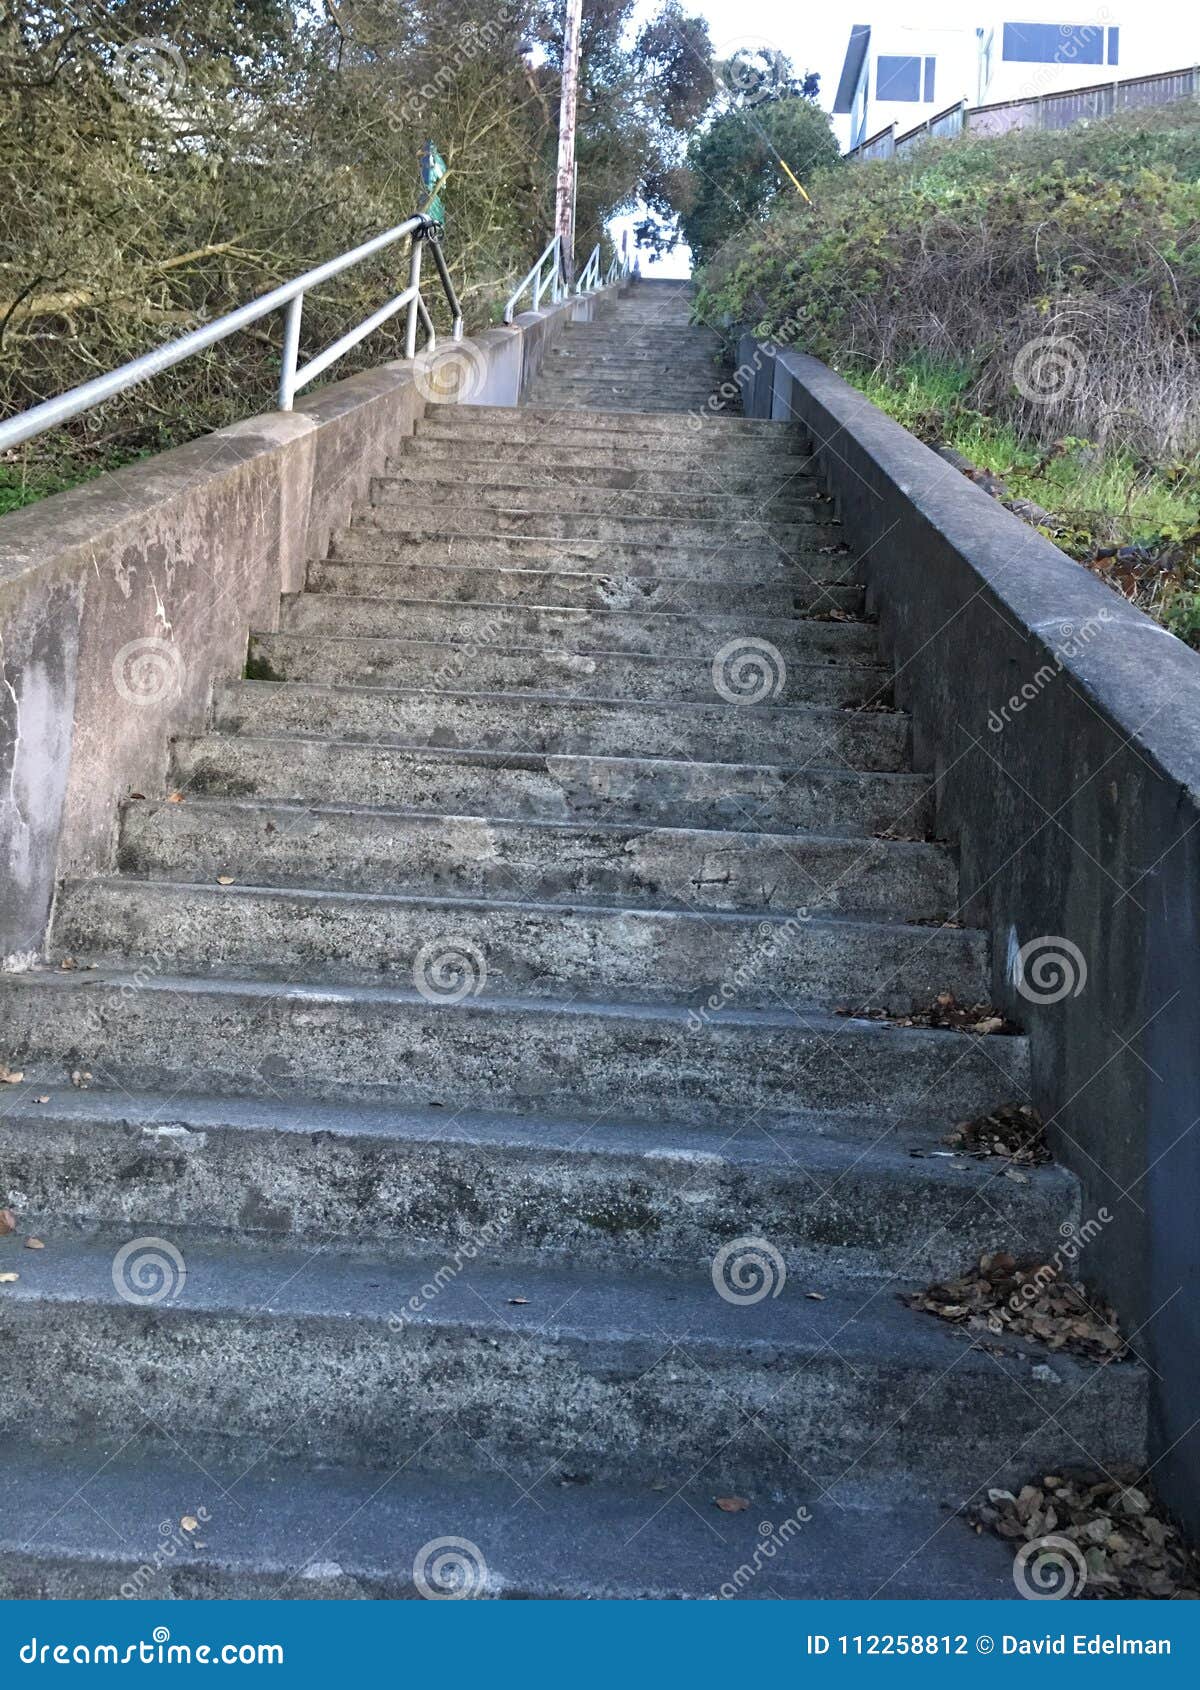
[[920, 280]]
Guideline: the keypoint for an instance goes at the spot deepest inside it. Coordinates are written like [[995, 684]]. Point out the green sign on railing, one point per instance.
[[434, 170]]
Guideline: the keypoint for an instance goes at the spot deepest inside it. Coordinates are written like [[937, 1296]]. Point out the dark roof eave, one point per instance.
[[856, 52]]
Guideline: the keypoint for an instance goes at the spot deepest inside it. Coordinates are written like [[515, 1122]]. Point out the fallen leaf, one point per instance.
[[9, 1278], [518, 1299], [8, 1222], [80, 1078], [11, 1076], [190, 1523], [731, 1504], [41, 1100], [174, 797], [34, 1244], [815, 1296], [68, 962], [224, 880]]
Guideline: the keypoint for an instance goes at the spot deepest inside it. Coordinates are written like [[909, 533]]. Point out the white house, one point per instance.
[[904, 73]]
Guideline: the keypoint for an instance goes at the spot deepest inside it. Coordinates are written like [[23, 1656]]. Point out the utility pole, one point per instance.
[[564, 190]]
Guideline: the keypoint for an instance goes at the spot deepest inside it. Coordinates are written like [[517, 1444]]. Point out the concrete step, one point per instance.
[[694, 456], [673, 364], [694, 402], [142, 1029], [765, 532], [388, 1182], [700, 443], [680, 476], [567, 628], [627, 379], [729, 564], [594, 590], [531, 950], [410, 664], [788, 502], [614, 1376], [87, 1523], [528, 421], [870, 739], [654, 792], [364, 850]]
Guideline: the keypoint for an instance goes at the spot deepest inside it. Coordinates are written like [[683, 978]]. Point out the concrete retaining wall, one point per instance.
[[122, 601], [1062, 729]]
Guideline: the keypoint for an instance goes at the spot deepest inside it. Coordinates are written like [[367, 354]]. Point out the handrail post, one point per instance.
[[414, 281], [291, 352]]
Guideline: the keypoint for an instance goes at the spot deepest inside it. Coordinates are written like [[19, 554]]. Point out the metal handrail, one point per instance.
[[590, 278], [423, 229], [538, 282]]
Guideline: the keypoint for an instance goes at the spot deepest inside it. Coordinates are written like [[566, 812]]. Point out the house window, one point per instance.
[[1056, 44], [904, 77]]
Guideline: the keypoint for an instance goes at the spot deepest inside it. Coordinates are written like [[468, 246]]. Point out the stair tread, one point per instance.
[[816, 1141], [864, 1322], [564, 701], [847, 921], [298, 1530], [580, 615], [541, 760]]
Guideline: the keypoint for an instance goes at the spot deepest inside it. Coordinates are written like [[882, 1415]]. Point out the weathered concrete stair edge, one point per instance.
[[300, 1531], [359, 849], [806, 734], [528, 664], [539, 950], [583, 1364], [837, 1195], [256, 1036], [663, 791]]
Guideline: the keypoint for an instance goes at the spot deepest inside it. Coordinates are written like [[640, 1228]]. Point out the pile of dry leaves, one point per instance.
[[945, 1011], [1015, 1132], [1029, 1300], [1126, 1547]]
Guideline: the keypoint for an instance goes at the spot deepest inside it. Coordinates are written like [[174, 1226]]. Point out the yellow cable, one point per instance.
[[799, 185]]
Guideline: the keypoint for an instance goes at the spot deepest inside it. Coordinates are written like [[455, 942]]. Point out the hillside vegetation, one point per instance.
[[163, 164], [1032, 301]]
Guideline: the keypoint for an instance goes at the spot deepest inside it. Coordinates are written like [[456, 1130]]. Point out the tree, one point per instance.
[[736, 165]]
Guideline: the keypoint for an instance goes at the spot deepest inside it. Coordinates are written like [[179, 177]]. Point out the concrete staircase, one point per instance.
[[468, 990]]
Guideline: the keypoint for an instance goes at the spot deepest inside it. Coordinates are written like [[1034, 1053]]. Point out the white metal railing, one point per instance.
[[539, 280], [589, 279], [292, 376]]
